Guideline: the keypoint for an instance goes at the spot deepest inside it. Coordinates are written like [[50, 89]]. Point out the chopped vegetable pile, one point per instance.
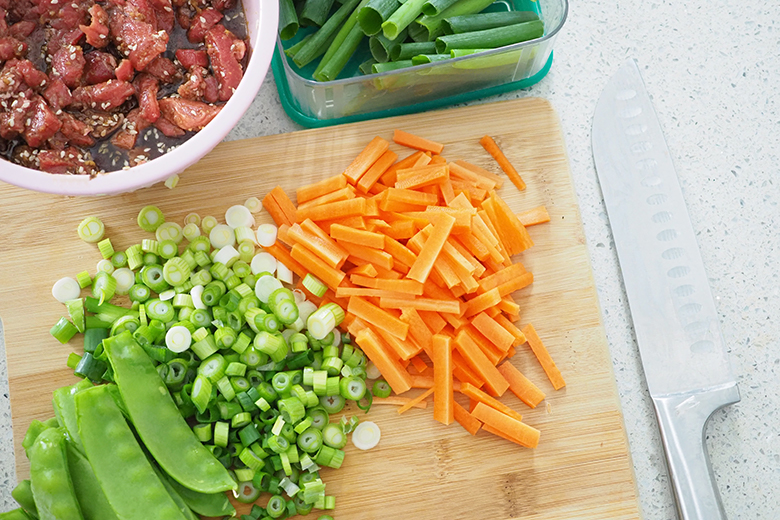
[[208, 366]]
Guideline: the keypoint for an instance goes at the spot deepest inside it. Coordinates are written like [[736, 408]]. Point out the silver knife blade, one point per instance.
[[675, 321], [674, 315]]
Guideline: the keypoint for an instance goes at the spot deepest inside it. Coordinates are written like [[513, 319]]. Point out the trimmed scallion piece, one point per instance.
[[150, 218], [481, 21], [319, 43], [427, 28], [66, 289], [374, 13], [341, 49], [429, 58], [106, 249], [288, 19], [491, 38], [91, 230], [402, 17], [434, 7], [407, 51], [103, 287], [378, 68], [63, 330]]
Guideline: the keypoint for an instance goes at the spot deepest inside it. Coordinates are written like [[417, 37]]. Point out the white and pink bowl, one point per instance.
[[262, 20]]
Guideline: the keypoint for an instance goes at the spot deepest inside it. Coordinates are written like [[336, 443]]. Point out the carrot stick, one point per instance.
[[422, 381], [364, 270], [463, 371], [283, 255], [534, 216], [512, 329], [418, 329], [505, 275], [398, 401], [423, 304], [357, 236], [421, 177], [377, 317], [491, 352], [433, 320], [506, 426], [333, 210], [405, 350], [388, 178], [465, 419], [488, 373], [420, 398], [430, 251], [493, 331], [524, 280], [334, 196], [541, 353], [365, 159], [365, 292], [401, 229], [376, 170], [311, 262], [416, 142], [482, 172], [447, 192], [492, 148], [375, 256], [277, 213], [333, 256], [443, 399], [419, 364], [400, 286], [395, 375], [318, 189], [478, 395], [520, 385], [508, 223], [407, 196], [474, 179], [483, 301]]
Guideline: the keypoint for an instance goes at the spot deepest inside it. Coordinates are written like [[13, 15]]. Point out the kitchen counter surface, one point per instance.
[[713, 70]]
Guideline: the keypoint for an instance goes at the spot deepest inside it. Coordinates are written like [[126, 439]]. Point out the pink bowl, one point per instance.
[[262, 19]]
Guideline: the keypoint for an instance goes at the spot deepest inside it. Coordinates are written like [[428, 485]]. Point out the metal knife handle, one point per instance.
[[682, 419]]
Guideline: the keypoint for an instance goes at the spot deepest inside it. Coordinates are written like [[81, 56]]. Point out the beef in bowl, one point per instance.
[[92, 87]]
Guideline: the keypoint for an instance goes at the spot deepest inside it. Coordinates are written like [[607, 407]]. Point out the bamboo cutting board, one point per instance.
[[582, 468]]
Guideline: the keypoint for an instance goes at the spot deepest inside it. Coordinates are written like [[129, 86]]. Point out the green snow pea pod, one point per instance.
[[22, 493], [205, 504], [35, 428], [65, 410], [158, 421], [120, 464], [94, 504], [50, 480], [180, 503], [15, 514]]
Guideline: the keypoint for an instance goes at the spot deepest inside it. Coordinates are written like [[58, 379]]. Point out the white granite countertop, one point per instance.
[[713, 70]]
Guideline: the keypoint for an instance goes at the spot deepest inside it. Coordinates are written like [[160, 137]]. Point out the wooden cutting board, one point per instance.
[[582, 468]]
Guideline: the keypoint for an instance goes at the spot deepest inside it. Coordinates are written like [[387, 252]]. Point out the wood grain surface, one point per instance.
[[582, 468]]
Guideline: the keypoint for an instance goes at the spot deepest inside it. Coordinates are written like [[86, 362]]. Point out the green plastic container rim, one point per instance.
[[312, 122]]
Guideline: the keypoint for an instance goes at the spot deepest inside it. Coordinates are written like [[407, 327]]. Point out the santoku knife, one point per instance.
[[675, 320]]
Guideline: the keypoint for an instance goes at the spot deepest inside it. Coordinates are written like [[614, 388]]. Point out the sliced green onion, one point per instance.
[[63, 330], [178, 339], [276, 506], [139, 293], [266, 233], [245, 474], [150, 218], [160, 310], [190, 231], [332, 403], [176, 271], [482, 21], [352, 388], [84, 279], [246, 251], [200, 244], [76, 312], [381, 389], [106, 249], [169, 231], [227, 255], [366, 435], [325, 319], [284, 273], [119, 259], [192, 218], [103, 287], [491, 38], [168, 249], [201, 393], [125, 279], [239, 216], [91, 230], [66, 289], [221, 236], [202, 432], [292, 409], [253, 204], [333, 436], [213, 368], [264, 262], [149, 245], [105, 266], [314, 285], [246, 493]]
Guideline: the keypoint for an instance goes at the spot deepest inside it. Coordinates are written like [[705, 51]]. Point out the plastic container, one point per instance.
[[356, 97]]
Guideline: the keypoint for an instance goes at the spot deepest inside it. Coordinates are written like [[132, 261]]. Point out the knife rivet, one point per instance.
[[667, 235], [626, 94], [679, 271], [684, 291], [628, 113], [673, 253], [651, 181], [636, 129], [662, 217], [655, 200]]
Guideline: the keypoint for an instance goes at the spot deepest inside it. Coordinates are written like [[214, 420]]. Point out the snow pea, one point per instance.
[[120, 464], [158, 421], [35, 428], [50, 480], [94, 504], [65, 410], [205, 504], [22, 493], [15, 514]]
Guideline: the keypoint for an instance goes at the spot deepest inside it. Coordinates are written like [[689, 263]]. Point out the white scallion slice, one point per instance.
[[172, 181], [178, 339], [191, 231], [167, 295], [125, 279], [239, 216], [283, 273], [222, 236], [299, 296], [366, 435], [66, 289], [253, 204], [106, 266], [208, 223], [169, 231], [372, 372], [263, 262], [266, 235], [265, 285], [305, 309], [226, 255], [197, 300], [91, 230], [192, 218], [298, 325]]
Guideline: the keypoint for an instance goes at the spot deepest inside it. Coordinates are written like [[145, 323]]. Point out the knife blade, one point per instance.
[[675, 320]]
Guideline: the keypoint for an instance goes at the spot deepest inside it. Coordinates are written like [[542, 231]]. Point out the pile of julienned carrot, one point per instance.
[[419, 252]]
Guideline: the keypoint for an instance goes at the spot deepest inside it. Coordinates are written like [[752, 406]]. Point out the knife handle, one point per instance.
[[682, 419]]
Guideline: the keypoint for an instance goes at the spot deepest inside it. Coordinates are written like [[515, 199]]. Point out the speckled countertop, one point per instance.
[[713, 70]]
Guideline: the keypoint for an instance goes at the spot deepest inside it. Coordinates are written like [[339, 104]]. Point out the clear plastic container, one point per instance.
[[356, 97]]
